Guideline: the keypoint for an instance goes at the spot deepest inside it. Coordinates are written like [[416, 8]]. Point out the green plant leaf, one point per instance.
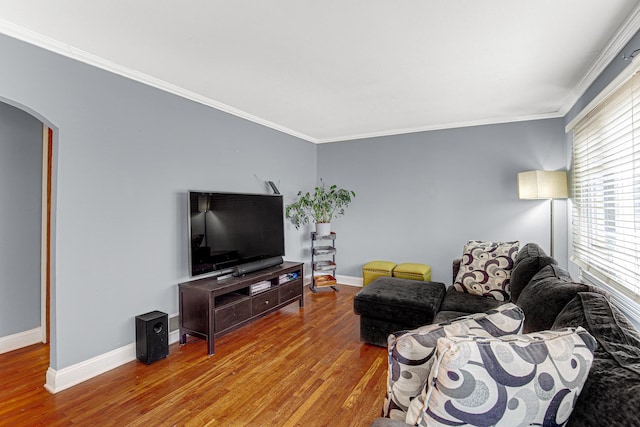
[[322, 206]]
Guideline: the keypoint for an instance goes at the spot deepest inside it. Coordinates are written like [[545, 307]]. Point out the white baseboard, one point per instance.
[[306, 281], [349, 280], [342, 280], [58, 380], [21, 339], [174, 336]]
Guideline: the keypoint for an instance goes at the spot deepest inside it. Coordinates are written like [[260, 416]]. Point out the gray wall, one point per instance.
[[125, 156], [422, 196], [20, 220]]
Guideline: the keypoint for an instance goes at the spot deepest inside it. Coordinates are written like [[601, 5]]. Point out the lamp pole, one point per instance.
[[551, 237]]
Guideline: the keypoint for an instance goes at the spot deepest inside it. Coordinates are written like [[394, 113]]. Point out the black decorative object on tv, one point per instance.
[[231, 229]]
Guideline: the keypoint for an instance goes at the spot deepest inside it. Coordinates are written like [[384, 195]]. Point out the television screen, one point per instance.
[[229, 229]]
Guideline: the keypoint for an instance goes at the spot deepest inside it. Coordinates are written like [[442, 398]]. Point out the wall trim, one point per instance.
[[342, 280], [62, 379], [20, 340], [44, 227], [619, 40], [444, 126], [58, 380], [614, 85], [52, 45], [349, 280], [609, 52]]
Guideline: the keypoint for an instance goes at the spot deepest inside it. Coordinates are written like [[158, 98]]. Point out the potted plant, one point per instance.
[[321, 206]]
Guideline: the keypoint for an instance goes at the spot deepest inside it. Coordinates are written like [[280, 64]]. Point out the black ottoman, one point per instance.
[[389, 304]]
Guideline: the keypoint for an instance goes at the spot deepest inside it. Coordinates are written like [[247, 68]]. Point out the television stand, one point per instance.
[[210, 308]]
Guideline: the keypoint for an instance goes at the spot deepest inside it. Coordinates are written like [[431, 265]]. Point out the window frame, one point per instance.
[[603, 212]]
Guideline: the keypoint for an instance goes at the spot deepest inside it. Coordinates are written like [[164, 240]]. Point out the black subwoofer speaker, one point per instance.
[[152, 336]]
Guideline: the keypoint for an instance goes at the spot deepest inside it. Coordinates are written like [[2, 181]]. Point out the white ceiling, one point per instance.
[[342, 69]]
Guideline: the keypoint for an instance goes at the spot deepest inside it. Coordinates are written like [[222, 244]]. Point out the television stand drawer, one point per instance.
[[290, 290], [264, 301], [232, 314]]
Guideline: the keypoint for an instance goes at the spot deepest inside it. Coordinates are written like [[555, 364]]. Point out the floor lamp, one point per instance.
[[543, 185]]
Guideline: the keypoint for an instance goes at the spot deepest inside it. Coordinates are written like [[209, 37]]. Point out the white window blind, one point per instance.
[[606, 190]]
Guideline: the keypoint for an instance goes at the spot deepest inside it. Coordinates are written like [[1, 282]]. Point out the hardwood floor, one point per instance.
[[295, 367]]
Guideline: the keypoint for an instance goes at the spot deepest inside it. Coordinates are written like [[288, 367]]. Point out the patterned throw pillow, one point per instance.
[[410, 353], [516, 380], [486, 268]]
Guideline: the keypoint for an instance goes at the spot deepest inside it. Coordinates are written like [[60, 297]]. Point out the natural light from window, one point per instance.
[[606, 190]]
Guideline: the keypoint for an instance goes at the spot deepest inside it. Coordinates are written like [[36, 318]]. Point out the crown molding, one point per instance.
[[630, 27], [444, 126], [619, 40], [28, 36], [614, 85]]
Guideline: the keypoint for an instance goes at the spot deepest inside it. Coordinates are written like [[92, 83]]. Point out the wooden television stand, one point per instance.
[[210, 308]]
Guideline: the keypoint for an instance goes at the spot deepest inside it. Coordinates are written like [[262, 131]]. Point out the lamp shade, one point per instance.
[[203, 203], [542, 185]]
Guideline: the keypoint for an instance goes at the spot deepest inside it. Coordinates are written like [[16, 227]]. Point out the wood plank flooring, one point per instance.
[[295, 367]]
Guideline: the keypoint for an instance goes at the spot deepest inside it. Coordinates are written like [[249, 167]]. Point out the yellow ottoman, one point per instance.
[[374, 269], [412, 271]]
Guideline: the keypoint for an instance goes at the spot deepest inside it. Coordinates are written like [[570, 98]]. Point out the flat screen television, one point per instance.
[[230, 229]]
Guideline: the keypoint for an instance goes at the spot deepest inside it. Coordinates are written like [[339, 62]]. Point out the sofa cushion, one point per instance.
[[445, 316], [514, 380], [410, 352], [615, 372], [467, 303], [486, 268], [529, 250], [386, 422], [529, 261], [545, 296]]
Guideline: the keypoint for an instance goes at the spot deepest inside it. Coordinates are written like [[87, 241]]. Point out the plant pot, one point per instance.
[[323, 228]]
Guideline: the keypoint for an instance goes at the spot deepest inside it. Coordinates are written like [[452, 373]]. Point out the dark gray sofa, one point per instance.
[[390, 304], [550, 299]]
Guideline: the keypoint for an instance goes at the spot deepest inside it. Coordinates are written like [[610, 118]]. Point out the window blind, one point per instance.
[[606, 190]]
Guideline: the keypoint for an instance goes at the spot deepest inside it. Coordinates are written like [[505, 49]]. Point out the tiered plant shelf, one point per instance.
[[323, 261]]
